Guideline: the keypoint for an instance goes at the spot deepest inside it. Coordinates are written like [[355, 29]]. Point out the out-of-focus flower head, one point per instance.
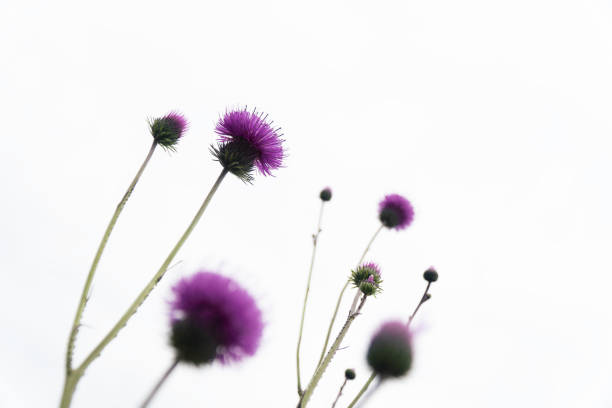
[[213, 318]]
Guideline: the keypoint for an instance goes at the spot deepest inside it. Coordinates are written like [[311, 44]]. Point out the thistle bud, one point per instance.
[[168, 130], [430, 275], [367, 278], [326, 194], [390, 350]]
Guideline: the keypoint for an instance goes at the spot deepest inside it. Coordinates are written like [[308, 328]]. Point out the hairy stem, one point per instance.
[[94, 265], [329, 356], [78, 372], [315, 238], [333, 319], [161, 381]]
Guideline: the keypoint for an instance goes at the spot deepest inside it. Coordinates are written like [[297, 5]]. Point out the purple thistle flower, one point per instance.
[[367, 278], [214, 318], [394, 211], [247, 139], [390, 350], [168, 129], [372, 267]]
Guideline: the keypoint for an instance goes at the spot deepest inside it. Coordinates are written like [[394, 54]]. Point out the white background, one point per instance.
[[492, 117]]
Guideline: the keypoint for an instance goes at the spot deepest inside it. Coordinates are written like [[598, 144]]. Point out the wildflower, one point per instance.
[[247, 140], [394, 211], [213, 319], [168, 130], [390, 350]]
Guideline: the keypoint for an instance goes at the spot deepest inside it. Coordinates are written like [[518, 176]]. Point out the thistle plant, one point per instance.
[[246, 141], [395, 212], [166, 132], [213, 320]]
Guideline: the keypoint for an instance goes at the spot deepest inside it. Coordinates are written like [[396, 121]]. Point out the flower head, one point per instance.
[[394, 211], [213, 318], [390, 350], [168, 129], [349, 374], [326, 194], [367, 278], [248, 140]]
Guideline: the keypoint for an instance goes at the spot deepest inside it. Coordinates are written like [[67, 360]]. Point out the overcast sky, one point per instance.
[[492, 117]]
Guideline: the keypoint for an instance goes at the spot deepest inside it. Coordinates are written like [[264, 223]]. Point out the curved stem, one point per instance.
[[329, 356], [362, 391], [78, 372], [333, 319], [160, 383], [339, 393], [315, 238], [94, 265]]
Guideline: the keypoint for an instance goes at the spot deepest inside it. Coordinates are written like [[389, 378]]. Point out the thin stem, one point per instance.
[[362, 391], [333, 319], [339, 393], [94, 265], [315, 238], [160, 383], [328, 357], [424, 299], [78, 372], [331, 323]]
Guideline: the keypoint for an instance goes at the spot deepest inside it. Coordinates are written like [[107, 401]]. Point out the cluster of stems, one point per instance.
[[327, 354], [74, 374]]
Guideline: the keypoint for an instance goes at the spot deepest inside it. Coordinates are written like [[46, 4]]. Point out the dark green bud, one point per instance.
[[349, 374], [168, 130], [430, 275], [390, 351], [326, 194]]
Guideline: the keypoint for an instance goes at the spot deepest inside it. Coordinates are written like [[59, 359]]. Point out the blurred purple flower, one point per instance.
[[394, 211], [220, 307]]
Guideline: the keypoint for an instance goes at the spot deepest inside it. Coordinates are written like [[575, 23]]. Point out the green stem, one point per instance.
[[78, 372], [363, 390], [329, 356], [333, 319], [315, 238], [94, 265], [160, 383], [69, 387]]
